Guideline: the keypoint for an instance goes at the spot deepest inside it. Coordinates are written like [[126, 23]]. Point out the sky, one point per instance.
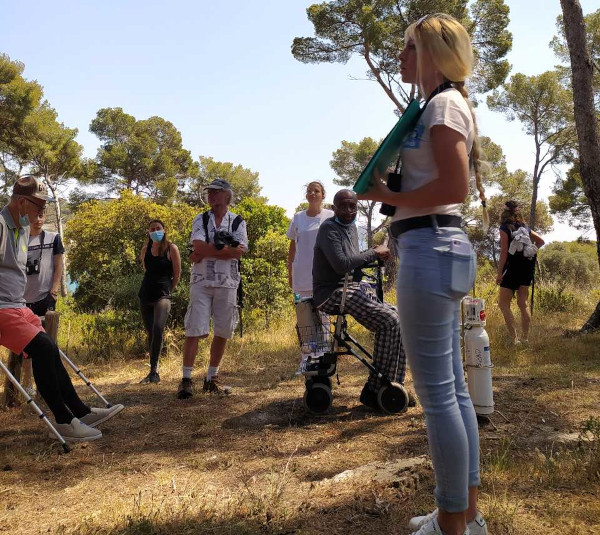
[[224, 75]]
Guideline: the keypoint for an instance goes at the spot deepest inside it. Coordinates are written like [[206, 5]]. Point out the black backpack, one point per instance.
[[234, 226]]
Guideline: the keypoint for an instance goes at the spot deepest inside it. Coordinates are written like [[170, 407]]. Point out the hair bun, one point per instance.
[[511, 205]]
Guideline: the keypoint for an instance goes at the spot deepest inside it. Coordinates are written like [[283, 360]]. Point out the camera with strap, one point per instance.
[[223, 238]]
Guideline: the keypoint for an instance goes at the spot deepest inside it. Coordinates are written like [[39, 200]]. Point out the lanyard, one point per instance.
[[42, 236]]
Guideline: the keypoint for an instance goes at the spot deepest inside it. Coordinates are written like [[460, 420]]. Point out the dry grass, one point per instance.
[[257, 463]]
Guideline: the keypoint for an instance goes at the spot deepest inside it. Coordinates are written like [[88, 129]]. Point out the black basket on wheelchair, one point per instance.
[[316, 338]]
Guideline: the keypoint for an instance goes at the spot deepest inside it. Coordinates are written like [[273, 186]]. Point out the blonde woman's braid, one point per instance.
[[475, 156]]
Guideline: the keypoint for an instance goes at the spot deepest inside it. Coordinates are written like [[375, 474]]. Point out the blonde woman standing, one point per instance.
[[437, 263], [302, 233]]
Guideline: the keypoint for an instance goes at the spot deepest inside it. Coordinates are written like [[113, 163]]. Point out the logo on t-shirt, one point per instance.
[[414, 140]]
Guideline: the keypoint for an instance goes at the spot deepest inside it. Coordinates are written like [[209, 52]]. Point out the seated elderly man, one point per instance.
[[21, 330], [337, 253]]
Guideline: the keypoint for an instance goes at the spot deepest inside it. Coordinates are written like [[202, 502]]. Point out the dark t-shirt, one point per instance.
[[158, 278]]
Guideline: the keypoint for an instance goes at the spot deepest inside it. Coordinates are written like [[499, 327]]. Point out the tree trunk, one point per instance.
[[11, 394], [59, 228], [536, 183], [585, 121]]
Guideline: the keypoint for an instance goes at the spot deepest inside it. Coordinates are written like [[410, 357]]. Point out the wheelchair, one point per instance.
[[323, 339]]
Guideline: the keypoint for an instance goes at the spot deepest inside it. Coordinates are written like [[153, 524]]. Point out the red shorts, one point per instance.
[[18, 327]]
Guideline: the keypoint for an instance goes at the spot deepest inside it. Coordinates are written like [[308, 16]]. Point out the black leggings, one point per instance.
[[53, 381], [155, 317]]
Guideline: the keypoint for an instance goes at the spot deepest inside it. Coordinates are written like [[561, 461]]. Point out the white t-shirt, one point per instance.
[[450, 109], [38, 285], [303, 230], [217, 272]]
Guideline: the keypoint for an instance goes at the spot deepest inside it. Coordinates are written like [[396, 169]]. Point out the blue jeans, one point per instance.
[[436, 269]]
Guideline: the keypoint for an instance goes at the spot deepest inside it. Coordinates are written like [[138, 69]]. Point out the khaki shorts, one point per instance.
[[220, 303]]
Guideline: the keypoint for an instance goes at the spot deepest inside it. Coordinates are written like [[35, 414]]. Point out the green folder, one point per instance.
[[387, 152]]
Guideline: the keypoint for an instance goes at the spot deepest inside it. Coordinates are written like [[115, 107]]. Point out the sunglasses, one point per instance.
[[440, 16]]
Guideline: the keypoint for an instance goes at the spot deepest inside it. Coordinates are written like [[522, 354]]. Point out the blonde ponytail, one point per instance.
[[475, 157]]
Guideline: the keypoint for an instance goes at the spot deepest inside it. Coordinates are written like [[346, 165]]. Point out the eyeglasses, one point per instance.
[[444, 16], [439, 16]]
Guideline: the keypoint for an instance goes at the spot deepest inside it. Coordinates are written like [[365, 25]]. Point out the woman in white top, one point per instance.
[[437, 264], [302, 233]]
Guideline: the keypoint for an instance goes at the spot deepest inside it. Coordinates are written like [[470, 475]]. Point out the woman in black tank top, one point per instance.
[[162, 265], [515, 273]]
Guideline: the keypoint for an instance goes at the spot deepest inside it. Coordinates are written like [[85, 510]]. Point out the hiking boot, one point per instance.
[[152, 377], [186, 389], [477, 526], [368, 397], [76, 432], [214, 386], [431, 527], [98, 416]]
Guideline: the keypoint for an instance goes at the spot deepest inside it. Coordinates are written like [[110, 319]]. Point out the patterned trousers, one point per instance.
[[382, 319]]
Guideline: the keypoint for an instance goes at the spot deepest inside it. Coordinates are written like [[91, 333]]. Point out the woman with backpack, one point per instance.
[[162, 267], [518, 248]]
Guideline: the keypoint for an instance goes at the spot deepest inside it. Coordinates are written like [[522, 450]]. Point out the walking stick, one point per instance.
[[85, 379], [34, 406]]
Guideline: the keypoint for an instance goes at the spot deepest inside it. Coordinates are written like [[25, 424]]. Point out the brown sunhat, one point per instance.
[[30, 186]]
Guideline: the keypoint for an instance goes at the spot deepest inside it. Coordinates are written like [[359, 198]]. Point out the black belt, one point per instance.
[[401, 226]]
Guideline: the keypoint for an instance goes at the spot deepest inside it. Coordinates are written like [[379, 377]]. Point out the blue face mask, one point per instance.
[[157, 235], [24, 220], [337, 220]]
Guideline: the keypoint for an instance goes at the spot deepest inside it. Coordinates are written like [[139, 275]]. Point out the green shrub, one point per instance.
[[568, 264], [554, 298], [101, 336]]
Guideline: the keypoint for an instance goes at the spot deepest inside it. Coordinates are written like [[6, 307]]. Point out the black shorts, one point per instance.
[[518, 273], [42, 306]]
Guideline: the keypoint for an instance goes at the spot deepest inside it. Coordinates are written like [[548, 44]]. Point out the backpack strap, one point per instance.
[[236, 222], [205, 219]]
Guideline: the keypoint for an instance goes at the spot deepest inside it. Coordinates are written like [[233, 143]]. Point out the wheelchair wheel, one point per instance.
[[392, 398], [317, 397]]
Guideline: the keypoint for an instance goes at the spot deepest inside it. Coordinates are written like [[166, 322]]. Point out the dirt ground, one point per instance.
[[257, 462]]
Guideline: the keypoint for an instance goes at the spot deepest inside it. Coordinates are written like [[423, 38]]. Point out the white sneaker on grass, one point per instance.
[[431, 527], [477, 526], [98, 416], [76, 432]]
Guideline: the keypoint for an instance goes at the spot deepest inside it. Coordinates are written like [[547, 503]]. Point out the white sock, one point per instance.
[[212, 372], [187, 372]]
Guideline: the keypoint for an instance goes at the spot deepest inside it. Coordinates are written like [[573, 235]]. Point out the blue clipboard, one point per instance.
[[387, 152]]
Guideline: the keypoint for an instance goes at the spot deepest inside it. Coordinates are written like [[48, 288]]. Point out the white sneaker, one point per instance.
[[76, 432], [98, 416], [477, 526], [431, 527]]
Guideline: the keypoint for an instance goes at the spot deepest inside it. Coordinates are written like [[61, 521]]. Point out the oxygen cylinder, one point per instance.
[[477, 355]]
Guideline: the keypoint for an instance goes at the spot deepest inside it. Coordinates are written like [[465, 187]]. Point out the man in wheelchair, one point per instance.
[[337, 253]]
